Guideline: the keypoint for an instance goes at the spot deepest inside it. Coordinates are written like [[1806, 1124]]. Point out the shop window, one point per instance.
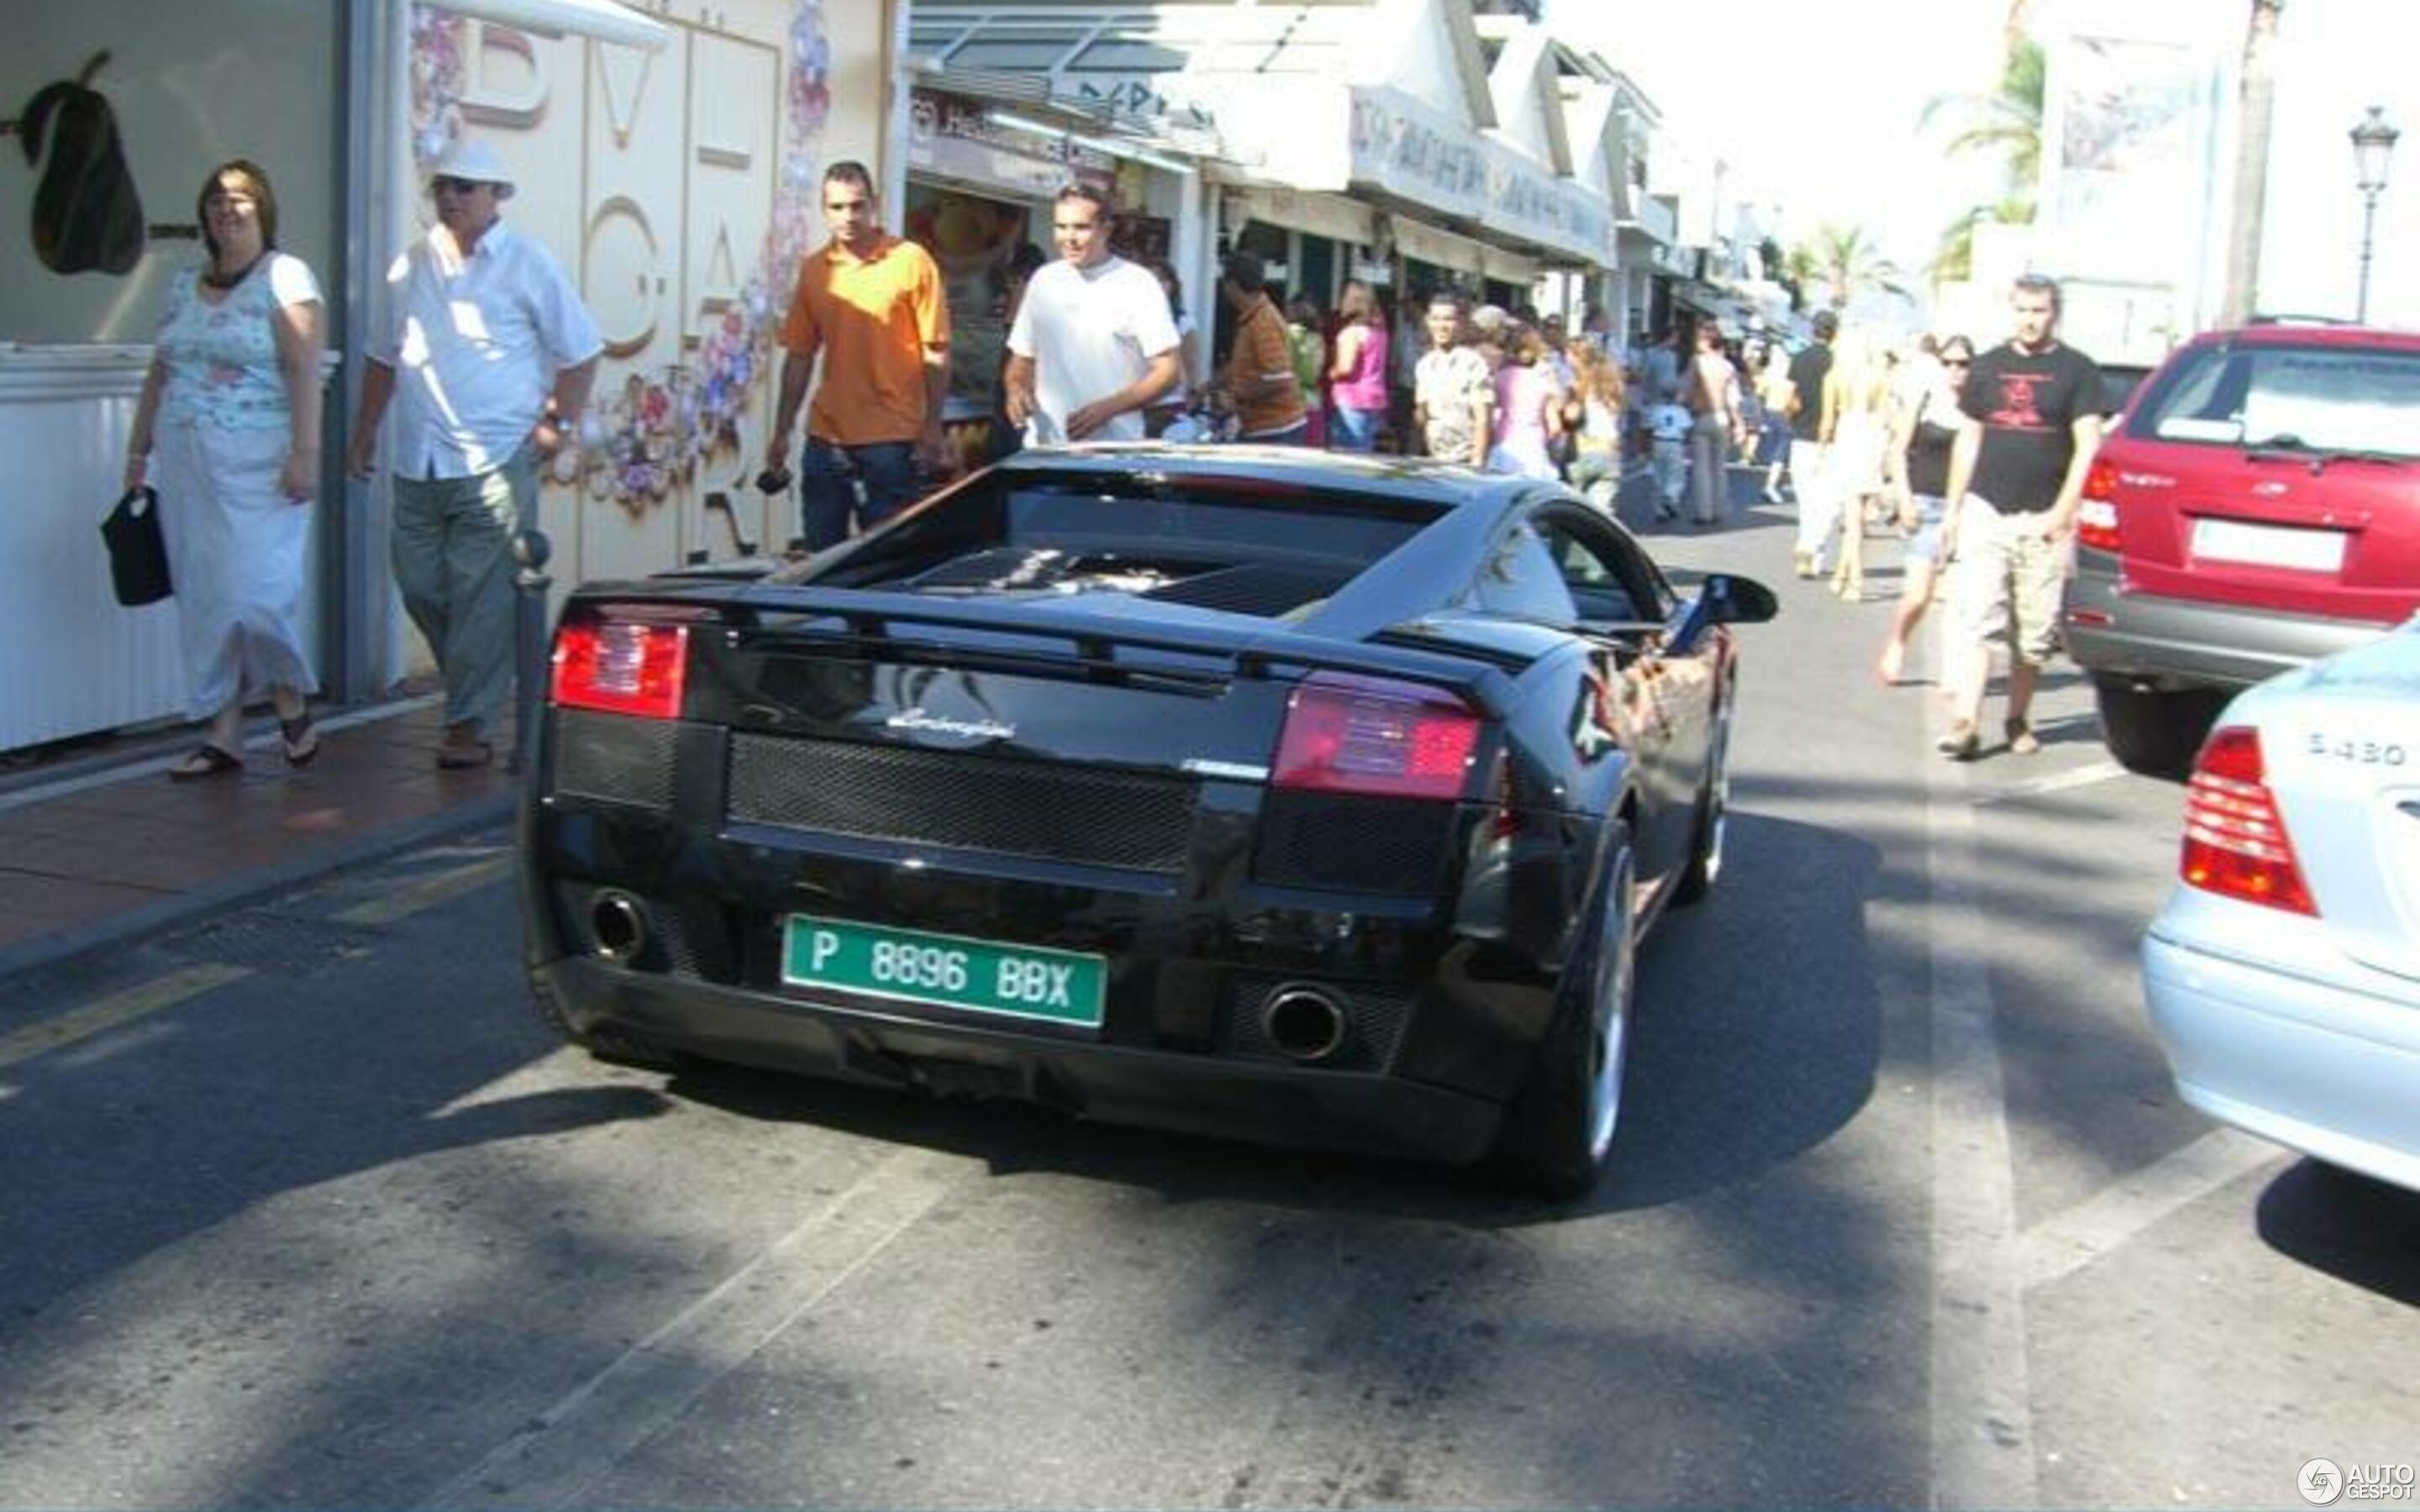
[[974, 239]]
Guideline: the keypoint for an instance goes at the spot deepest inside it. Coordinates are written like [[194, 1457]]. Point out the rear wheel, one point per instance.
[[1713, 812], [1558, 1130], [605, 1044], [2154, 731]]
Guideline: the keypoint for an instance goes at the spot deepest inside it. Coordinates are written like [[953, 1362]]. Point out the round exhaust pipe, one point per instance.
[[618, 925], [1306, 1023]]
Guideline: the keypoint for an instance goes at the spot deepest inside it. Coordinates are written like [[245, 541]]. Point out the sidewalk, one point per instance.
[[97, 856]]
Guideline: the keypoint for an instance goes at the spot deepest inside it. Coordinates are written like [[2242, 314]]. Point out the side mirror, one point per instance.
[[1733, 600], [1722, 599]]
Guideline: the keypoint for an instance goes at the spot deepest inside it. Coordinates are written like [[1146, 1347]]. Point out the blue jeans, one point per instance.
[[845, 487], [1356, 430]]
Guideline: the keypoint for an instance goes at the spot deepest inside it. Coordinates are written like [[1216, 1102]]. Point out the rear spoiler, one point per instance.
[[867, 618]]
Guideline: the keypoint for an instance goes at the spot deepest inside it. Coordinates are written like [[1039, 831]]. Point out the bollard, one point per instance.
[[530, 549]]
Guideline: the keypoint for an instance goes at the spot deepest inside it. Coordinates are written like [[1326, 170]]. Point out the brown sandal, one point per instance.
[[203, 762]]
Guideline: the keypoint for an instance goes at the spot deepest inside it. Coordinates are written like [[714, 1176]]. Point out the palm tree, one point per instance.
[[2006, 122], [1847, 262], [1953, 256]]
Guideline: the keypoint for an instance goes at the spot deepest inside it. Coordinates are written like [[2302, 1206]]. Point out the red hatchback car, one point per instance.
[[2256, 507]]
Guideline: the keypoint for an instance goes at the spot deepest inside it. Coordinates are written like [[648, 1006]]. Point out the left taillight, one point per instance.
[[1377, 737], [621, 666], [2236, 843], [2096, 516]]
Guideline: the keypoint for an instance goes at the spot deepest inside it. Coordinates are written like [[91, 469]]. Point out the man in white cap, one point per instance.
[[487, 356]]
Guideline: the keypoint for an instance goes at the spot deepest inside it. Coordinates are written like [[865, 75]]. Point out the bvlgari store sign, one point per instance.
[[1409, 150]]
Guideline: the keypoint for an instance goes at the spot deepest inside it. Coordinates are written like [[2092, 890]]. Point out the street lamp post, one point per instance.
[[2373, 144]]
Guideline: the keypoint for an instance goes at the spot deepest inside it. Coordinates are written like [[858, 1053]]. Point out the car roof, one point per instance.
[[2288, 333], [1395, 477]]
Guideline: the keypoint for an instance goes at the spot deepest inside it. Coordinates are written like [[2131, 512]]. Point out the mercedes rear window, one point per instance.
[[2315, 398]]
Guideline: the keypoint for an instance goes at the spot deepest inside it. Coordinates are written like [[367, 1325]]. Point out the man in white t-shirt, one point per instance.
[[1094, 342]]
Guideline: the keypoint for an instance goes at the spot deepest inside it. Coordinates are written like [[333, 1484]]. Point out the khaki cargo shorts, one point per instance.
[[2007, 581]]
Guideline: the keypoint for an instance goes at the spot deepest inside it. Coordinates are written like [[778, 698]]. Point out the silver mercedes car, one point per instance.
[[2284, 974]]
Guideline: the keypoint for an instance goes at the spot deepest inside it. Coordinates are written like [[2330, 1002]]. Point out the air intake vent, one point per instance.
[[614, 757], [1005, 804], [1354, 844]]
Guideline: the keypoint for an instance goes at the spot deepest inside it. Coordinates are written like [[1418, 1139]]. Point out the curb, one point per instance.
[[250, 886]]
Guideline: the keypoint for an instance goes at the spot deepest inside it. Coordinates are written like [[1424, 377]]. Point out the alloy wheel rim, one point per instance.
[[1608, 1038], [1718, 795]]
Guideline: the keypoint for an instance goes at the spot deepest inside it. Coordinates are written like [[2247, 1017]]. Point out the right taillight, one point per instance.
[[2096, 515], [621, 666], [1377, 737], [2236, 843]]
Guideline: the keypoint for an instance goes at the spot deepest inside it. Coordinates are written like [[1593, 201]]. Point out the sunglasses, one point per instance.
[[448, 184], [1957, 362]]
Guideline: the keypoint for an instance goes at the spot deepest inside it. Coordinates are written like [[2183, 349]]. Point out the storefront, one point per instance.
[[668, 161], [982, 178], [979, 196], [85, 269]]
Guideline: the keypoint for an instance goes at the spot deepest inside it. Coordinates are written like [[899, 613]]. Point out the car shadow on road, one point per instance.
[[2350, 1226], [1731, 1074]]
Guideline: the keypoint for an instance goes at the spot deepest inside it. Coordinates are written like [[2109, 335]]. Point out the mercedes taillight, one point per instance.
[[621, 666], [2236, 843], [1376, 737]]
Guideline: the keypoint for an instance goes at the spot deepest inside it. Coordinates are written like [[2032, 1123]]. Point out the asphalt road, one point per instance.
[[305, 1208]]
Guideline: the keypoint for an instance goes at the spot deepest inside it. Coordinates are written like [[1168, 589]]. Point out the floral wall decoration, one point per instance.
[[435, 85], [652, 434]]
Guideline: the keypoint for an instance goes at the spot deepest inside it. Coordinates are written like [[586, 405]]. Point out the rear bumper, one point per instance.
[[2323, 1067], [2174, 642], [1267, 1103]]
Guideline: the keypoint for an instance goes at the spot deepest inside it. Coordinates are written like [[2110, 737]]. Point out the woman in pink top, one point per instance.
[[1528, 408], [1358, 377]]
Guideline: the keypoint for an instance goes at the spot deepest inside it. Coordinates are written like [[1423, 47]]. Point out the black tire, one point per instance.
[[605, 1044], [2153, 731], [1714, 810], [1558, 1130]]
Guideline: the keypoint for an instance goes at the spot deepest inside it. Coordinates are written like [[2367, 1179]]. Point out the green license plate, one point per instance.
[[945, 970]]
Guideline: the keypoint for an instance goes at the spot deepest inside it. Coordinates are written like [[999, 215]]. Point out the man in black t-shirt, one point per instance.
[[2016, 476], [1818, 506]]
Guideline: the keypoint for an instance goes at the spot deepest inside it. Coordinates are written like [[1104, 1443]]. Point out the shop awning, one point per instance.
[[1332, 216], [1426, 243], [602, 21], [1510, 267]]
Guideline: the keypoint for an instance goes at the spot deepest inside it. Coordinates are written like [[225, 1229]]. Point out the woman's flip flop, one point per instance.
[[204, 760]]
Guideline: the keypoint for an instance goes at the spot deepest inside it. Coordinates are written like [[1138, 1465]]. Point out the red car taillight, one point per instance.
[[1376, 737], [2236, 843], [2096, 516], [621, 666]]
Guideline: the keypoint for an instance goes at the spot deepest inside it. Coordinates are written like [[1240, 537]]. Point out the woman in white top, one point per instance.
[[232, 405]]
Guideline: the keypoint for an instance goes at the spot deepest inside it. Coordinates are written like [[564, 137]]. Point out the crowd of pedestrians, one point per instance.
[[1975, 459]]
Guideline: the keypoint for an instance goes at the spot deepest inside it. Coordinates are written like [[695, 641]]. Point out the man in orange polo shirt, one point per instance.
[[1259, 376], [871, 306]]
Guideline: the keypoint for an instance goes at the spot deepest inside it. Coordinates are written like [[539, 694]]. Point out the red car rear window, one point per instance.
[[2317, 398]]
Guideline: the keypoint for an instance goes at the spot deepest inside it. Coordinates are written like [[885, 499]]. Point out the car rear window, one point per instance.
[[2319, 398], [1254, 523]]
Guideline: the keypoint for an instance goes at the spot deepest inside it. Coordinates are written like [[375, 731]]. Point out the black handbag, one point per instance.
[[138, 554]]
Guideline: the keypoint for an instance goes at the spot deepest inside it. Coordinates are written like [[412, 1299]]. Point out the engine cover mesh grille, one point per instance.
[[1006, 805]]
